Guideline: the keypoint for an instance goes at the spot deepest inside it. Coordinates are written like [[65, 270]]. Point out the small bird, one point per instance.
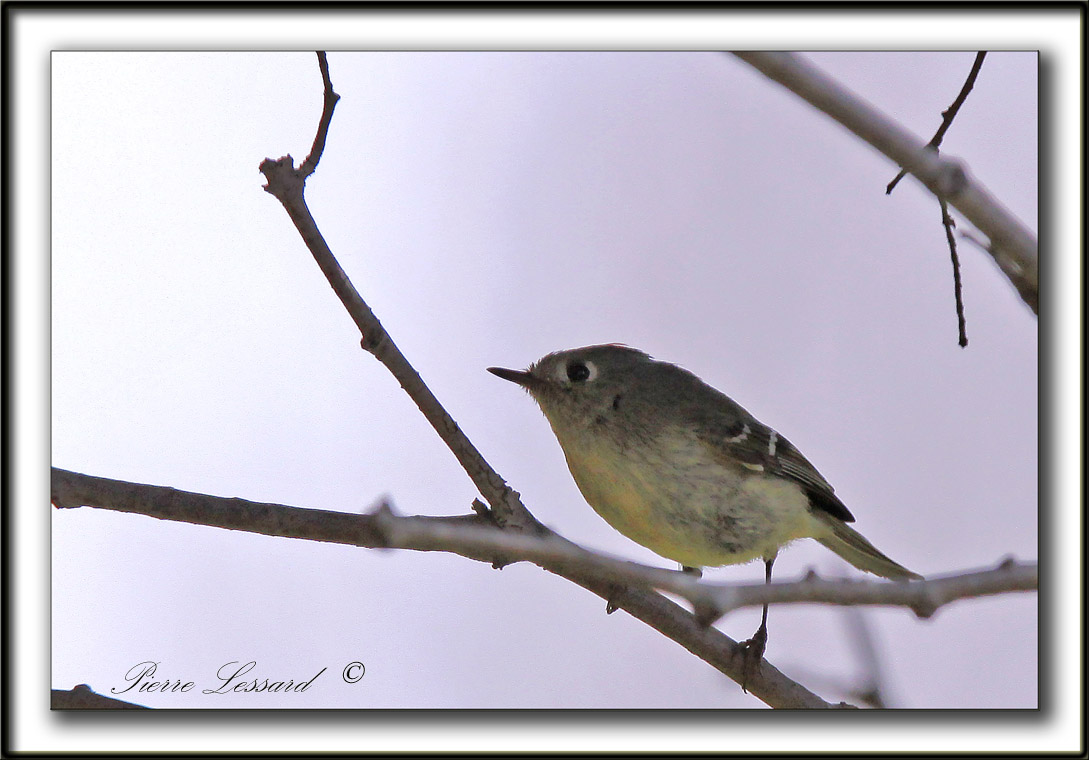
[[682, 469]]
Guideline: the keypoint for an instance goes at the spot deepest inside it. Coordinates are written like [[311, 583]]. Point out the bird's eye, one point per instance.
[[577, 372]]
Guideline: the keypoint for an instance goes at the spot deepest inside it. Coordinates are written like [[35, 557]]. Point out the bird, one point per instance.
[[684, 470]]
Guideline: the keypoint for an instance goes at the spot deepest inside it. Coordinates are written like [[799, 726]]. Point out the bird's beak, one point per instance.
[[518, 376]]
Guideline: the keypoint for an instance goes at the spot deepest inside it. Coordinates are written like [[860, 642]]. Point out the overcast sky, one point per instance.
[[493, 207]]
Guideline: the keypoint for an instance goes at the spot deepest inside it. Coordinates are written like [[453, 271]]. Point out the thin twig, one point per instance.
[[958, 297], [1012, 245], [951, 113], [287, 184], [948, 114], [329, 103]]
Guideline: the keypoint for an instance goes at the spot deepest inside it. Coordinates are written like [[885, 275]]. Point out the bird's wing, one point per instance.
[[743, 439]]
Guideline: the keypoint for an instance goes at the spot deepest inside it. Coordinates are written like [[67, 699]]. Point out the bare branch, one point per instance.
[[958, 296], [476, 537], [330, 102], [288, 184], [948, 114], [922, 597], [951, 113], [470, 536], [947, 221], [710, 600], [1012, 245], [83, 697]]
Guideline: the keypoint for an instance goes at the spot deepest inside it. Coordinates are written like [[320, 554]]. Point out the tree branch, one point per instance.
[[472, 536], [83, 697], [1011, 245], [947, 115], [958, 297], [476, 537], [288, 184], [922, 597], [329, 103], [947, 221]]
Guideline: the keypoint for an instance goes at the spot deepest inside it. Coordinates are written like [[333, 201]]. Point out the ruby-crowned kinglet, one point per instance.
[[680, 468]]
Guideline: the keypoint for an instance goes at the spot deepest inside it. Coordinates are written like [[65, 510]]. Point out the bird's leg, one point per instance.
[[754, 647]]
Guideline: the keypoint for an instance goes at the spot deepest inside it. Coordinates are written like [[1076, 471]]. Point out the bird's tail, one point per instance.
[[853, 547]]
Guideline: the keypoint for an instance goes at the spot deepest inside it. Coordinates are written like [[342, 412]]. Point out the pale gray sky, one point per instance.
[[493, 207]]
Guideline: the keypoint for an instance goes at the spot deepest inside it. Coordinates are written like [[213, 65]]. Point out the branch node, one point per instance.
[[373, 343], [948, 115], [384, 522], [482, 510], [706, 614], [927, 604], [952, 179], [284, 180], [612, 606]]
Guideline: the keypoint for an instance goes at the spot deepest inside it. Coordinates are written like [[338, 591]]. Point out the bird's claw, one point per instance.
[[753, 652]]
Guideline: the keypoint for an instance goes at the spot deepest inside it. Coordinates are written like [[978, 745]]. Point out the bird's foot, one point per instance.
[[753, 652]]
